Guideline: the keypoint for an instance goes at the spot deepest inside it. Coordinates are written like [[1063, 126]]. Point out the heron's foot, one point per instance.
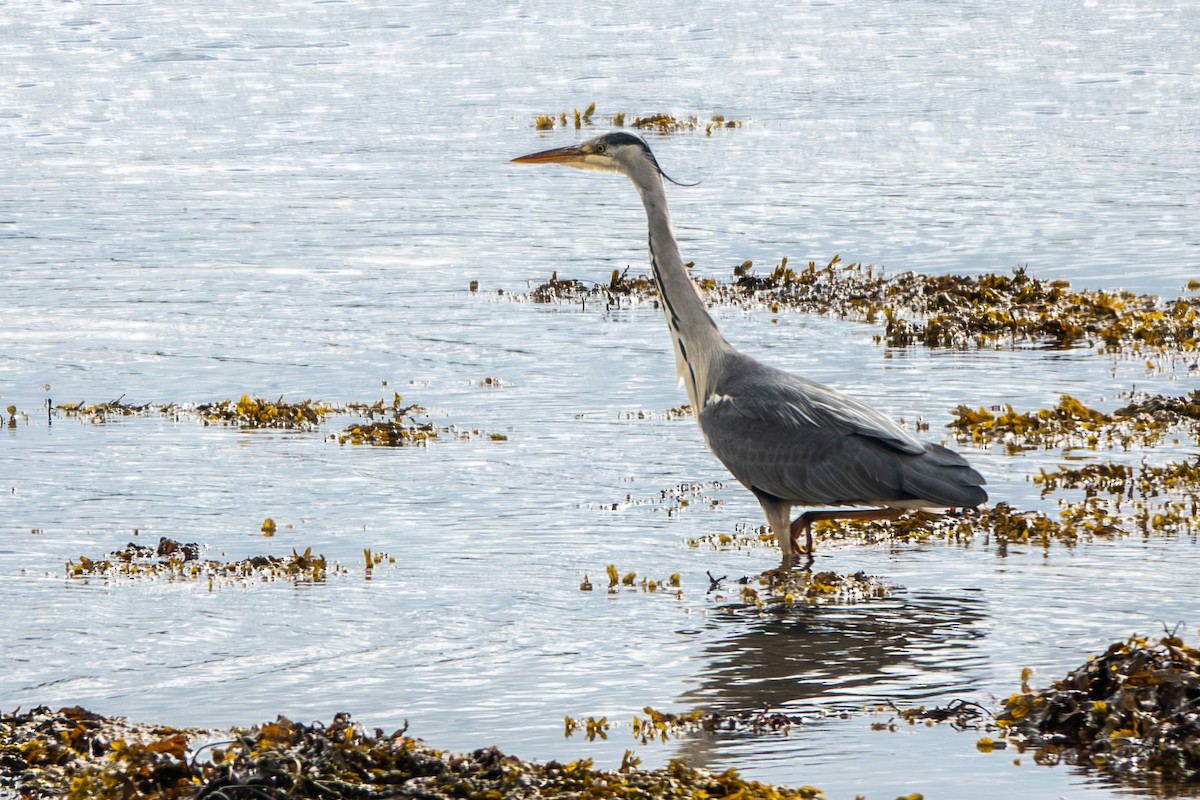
[[798, 559], [802, 526]]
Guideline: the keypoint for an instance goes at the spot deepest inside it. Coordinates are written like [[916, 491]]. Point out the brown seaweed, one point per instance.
[[940, 311], [182, 562]]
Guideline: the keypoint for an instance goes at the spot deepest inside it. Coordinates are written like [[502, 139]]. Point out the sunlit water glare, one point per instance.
[[204, 200]]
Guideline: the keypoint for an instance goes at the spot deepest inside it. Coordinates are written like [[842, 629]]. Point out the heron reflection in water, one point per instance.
[[789, 440]]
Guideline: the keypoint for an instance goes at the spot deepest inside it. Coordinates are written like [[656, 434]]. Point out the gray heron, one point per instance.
[[789, 440]]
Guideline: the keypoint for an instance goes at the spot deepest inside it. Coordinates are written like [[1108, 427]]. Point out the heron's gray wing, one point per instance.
[[802, 441]]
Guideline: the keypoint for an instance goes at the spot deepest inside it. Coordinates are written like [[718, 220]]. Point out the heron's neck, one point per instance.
[[699, 345]]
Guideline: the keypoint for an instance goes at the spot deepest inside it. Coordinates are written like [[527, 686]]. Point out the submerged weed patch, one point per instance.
[[174, 561], [776, 587], [246, 412], [390, 423], [672, 500], [803, 587], [99, 412], [664, 726], [657, 122], [1137, 484], [401, 425], [397, 425], [1002, 524]]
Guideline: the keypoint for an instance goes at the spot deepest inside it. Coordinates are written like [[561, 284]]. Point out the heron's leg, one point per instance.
[[779, 515], [803, 523]]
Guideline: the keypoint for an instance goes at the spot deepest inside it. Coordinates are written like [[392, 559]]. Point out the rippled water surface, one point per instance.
[[207, 199]]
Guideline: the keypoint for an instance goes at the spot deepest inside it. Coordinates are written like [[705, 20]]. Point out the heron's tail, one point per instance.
[[943, 477]]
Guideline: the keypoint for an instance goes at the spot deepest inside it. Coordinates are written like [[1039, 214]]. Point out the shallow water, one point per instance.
[[206, 201]]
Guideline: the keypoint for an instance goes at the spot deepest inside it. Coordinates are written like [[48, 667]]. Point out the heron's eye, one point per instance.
[[599, 149]]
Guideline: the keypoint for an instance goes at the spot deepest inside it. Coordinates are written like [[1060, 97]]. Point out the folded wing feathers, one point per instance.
[[803, 441]]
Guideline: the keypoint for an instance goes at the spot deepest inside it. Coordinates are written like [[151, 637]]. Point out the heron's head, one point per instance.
[[613, 152]]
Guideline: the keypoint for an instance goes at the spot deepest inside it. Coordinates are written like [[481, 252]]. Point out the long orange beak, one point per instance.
[[559, 155]]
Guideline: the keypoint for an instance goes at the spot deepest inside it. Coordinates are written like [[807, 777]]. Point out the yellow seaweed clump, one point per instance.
[[1069, 421], [991, 309], [1143, 422], [1132, 711], [255, 412]]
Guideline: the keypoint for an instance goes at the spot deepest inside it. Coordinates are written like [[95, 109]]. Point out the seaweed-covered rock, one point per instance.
[[1135, 709], [76, 754]]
